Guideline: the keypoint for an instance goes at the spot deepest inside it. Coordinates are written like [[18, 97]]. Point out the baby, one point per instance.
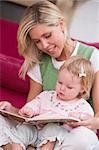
[[73, 87]]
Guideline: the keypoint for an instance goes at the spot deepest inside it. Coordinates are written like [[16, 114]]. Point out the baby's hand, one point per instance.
[[26, 111], [6, 105]]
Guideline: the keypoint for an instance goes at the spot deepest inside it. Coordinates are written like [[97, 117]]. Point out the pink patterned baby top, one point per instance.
[[48, 102]]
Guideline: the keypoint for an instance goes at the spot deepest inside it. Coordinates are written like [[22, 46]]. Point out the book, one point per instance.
[[43, 118]]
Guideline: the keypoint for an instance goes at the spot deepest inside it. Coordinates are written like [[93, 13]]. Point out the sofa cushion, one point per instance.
[[17, 99], [9, 74], [8, 38]]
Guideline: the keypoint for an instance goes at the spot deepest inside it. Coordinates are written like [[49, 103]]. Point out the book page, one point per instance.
[[43, 118], [52, 117]]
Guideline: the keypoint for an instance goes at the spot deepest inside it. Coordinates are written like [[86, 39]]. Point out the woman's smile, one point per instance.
[[51, 50]]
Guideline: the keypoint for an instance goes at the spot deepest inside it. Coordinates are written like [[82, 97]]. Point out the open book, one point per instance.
[[43, 118]]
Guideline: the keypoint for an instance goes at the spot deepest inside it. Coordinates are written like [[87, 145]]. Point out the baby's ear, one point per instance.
[[82, 89]]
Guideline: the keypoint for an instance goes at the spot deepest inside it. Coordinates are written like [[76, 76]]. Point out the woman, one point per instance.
[[41, 33], [44, 43]]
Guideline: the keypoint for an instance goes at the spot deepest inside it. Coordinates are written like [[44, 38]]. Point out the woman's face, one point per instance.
[[49, 39]]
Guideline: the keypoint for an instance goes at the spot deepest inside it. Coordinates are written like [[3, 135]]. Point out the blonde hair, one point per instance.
[[74, 65], [41, 12]]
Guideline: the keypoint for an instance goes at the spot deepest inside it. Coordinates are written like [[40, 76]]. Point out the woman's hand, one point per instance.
[[92, 123], [81, 116], [6, 106]]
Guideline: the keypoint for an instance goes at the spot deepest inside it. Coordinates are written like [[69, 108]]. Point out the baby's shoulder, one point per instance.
[[52, 92]]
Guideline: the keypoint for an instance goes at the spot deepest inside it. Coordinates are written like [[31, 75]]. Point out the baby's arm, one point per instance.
[[31, 108]]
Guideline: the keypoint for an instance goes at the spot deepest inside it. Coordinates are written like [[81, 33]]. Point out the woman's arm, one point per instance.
[[35, 89], [95, 94], [92, 123]]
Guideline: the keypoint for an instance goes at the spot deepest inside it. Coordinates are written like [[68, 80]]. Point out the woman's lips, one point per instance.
[[51, 50]]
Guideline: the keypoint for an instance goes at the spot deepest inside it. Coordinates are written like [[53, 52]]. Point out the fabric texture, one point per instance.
[[9, 68], [12, 88], [56, 106], [23, 134], [48, 73]]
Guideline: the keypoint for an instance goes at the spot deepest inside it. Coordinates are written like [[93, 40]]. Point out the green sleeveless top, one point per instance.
[[49, 73]]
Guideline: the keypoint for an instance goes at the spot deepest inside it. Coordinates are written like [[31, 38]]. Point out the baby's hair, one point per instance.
[[74, 65]]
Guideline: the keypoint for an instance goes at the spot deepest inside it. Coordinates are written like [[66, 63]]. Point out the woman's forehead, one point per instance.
[[39, 30]]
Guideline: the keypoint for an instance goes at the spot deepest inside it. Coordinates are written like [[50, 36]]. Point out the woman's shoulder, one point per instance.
[[85, 50], [88, 46], [89, 52], [34, 73]]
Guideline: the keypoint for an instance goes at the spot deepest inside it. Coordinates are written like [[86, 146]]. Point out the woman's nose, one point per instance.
[[44, 43]]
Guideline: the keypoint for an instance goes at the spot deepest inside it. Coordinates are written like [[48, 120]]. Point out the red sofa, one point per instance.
[[12, 88]]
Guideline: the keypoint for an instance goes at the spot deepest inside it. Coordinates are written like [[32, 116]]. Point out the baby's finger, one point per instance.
[[73, 124], [25, 112]]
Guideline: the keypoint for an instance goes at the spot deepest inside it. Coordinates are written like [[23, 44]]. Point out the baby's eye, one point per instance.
[[69, 87]]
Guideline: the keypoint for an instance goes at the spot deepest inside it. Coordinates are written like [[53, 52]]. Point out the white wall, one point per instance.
[[85, 23]]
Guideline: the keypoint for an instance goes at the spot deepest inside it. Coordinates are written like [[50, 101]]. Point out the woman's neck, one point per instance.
[[68, 50]]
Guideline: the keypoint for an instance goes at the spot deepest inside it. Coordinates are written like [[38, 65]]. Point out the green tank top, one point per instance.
[[49, 73]]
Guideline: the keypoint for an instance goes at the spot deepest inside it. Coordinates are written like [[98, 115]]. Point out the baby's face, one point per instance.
[[68, 86]]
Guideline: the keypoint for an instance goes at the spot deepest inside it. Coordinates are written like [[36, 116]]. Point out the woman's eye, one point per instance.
[[48, 35], [36, 41], [59, 82]]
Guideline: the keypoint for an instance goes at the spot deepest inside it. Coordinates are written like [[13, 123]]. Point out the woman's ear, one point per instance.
[[62, 24]]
